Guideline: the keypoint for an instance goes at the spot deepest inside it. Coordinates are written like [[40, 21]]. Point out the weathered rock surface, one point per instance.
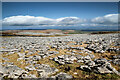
[[39, 48], [45, 70], [62, 76], [12, 71], [65, 59], [101, 66]]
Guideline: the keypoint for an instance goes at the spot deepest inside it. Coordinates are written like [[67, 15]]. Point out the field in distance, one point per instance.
[[50, 32]]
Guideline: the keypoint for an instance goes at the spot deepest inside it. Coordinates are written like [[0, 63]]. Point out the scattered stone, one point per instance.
[[30, 68], [44, 70], [101, 66], [62, 76], [65, 59], [42, 45]]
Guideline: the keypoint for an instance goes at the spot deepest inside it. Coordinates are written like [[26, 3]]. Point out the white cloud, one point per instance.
[[107, 20], [87, 24], [70, 21], [43, 21], [26, 20]]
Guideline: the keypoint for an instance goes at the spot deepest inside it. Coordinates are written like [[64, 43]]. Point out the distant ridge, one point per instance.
[[61, 29]]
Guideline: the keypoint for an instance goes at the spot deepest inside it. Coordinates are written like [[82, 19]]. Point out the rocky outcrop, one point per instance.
[[62, 76], [65, 59], [45, 70], [101, 66]]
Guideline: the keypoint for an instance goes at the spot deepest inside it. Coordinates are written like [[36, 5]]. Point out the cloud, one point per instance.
[[107, 20], [25, 20], [42, 21]]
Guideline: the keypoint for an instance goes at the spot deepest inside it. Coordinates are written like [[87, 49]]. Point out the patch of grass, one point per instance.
[[34, 72], [79, 32], [13, 58], [105, 32]]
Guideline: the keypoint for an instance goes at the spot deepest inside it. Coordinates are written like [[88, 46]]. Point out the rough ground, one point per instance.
[[77, 56]]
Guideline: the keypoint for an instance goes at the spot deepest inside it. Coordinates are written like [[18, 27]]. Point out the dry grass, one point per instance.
[[34, 72], [13, 58]]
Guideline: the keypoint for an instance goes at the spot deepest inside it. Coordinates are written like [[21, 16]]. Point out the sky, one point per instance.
[[60, 15]]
